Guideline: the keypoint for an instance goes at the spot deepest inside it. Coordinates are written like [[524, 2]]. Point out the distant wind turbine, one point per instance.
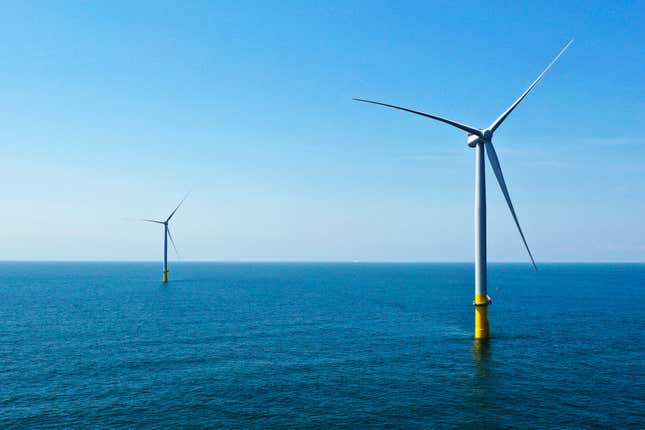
[[166, 235], [482, 141]]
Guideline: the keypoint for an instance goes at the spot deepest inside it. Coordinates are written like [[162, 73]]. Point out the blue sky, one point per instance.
[[113, 110]]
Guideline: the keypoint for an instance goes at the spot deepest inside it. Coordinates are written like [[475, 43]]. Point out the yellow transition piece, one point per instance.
[[482, 329]]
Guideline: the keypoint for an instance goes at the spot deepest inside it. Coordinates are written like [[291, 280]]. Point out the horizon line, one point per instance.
[[320, 261]]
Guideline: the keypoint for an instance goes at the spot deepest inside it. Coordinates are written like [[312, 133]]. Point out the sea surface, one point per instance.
[[320, 346]]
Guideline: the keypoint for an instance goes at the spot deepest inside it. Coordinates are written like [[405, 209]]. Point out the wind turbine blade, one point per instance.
[[427, 115], [151, 220], [494, 163], [173, 243], [508, 111], [173, 212]]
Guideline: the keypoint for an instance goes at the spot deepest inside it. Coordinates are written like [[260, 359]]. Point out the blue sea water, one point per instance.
[[273, 346]]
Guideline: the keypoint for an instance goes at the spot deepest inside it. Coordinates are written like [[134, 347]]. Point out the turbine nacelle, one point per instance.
[[473, 139]]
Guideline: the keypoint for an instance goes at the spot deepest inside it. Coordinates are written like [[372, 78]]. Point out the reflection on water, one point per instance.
[[482, 388], [482, 375], [481, 356]]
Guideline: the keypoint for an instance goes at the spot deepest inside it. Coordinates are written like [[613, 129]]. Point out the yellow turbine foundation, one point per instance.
[[482, 329], [165, 276]]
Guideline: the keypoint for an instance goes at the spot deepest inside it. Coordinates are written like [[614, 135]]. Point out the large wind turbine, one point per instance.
[[166, 235], [482, 141]]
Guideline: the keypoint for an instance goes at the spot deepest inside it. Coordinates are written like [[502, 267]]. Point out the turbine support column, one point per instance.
[[165, 253], [481, 297]]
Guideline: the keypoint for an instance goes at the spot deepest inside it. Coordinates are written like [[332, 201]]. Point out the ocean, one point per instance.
[[319, 346]]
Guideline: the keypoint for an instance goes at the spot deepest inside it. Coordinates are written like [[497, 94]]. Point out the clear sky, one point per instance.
[[113, 110]]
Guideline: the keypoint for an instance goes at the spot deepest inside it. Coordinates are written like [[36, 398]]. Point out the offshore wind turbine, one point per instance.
[[482, 141], [166, 235]]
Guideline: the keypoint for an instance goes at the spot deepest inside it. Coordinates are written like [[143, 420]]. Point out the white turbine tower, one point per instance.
[[482, 141], [166, 235]]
